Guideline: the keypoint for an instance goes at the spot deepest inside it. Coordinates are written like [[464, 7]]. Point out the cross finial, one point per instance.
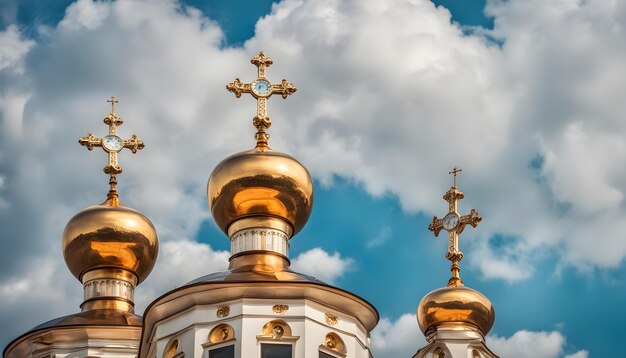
[[454, 225], [112, 144], [454, 171], [261, 89], [113, 101]]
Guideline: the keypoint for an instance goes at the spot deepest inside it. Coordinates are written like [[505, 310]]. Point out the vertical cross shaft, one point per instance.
[[454, 224], [261, 89], [112, 144], [113, 102]]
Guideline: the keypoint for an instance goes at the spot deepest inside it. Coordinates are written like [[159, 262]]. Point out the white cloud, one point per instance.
[[391, 95], [509, 262], [401, 338], [537, 123], [179, 262], [530, 344], [13, 48], [383, 236], [318, 263]]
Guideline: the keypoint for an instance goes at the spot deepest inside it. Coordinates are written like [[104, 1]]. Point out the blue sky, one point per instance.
[[392, 94]]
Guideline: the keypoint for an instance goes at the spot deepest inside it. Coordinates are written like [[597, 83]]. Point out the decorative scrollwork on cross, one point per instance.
[[112, 144], [454, 224], [261, 89]]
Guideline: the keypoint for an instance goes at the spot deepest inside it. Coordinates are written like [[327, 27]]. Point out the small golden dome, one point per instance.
[[110, 236], [456, 305], [260, 183]]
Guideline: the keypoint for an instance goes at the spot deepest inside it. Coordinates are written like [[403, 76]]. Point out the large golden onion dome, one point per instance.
[[110, 236], [460, 306], [260, 183]]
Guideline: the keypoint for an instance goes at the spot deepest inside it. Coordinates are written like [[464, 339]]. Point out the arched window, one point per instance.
[[221, 333], [221, 342], [276, 340], [439, 353], [171, 349], [332, 344]]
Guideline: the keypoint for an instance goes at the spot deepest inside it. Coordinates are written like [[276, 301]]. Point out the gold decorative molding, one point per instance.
[[331, 319], [221, 333], [277, 330], [223, 311], [261, 89], [334, 343], [280, 309], [454, 224]]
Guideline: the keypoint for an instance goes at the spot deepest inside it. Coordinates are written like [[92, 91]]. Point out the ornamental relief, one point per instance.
[[280, 309], [331, 319], [223, 311]]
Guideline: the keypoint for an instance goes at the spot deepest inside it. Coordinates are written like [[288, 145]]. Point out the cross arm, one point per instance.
[[436, 226], [285, 88], [237, 87], [471, 219], [134, 144], [90, 141]]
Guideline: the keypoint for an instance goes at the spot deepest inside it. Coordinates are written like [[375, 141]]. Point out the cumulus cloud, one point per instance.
[[50, 94], [13, 47], [400, 338], [320, 264], [179, 262], [528, 344], [536, 119]]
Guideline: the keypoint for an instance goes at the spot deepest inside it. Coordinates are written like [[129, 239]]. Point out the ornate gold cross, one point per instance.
[[261, 89], [112, 144], [454, 225]]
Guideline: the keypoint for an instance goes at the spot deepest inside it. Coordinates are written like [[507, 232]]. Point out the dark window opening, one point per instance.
[[224, 352], [276, 350]]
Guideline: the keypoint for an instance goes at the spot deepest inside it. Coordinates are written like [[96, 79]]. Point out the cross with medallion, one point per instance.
[[112, 144], [261, 89], [454, 224]]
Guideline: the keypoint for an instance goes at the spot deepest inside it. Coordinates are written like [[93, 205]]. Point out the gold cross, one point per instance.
[[112, 144], [454, 225], [454, 171], [113, 102], [261, 89]]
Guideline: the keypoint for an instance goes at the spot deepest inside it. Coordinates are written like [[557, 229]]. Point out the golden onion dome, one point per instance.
[[110, 236], [457, 306], [260, 183]]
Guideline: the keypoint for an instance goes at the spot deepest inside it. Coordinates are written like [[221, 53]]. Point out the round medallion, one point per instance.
[[112, 143], [261, 87], [451, 221]]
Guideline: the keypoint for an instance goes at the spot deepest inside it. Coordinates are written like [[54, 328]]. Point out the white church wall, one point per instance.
[[307, 320]]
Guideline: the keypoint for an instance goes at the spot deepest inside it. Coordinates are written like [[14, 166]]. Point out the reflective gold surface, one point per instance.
[[108, 303], [260, 222], [260, 183], [71, 331], [107, 236], [456, 305]]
